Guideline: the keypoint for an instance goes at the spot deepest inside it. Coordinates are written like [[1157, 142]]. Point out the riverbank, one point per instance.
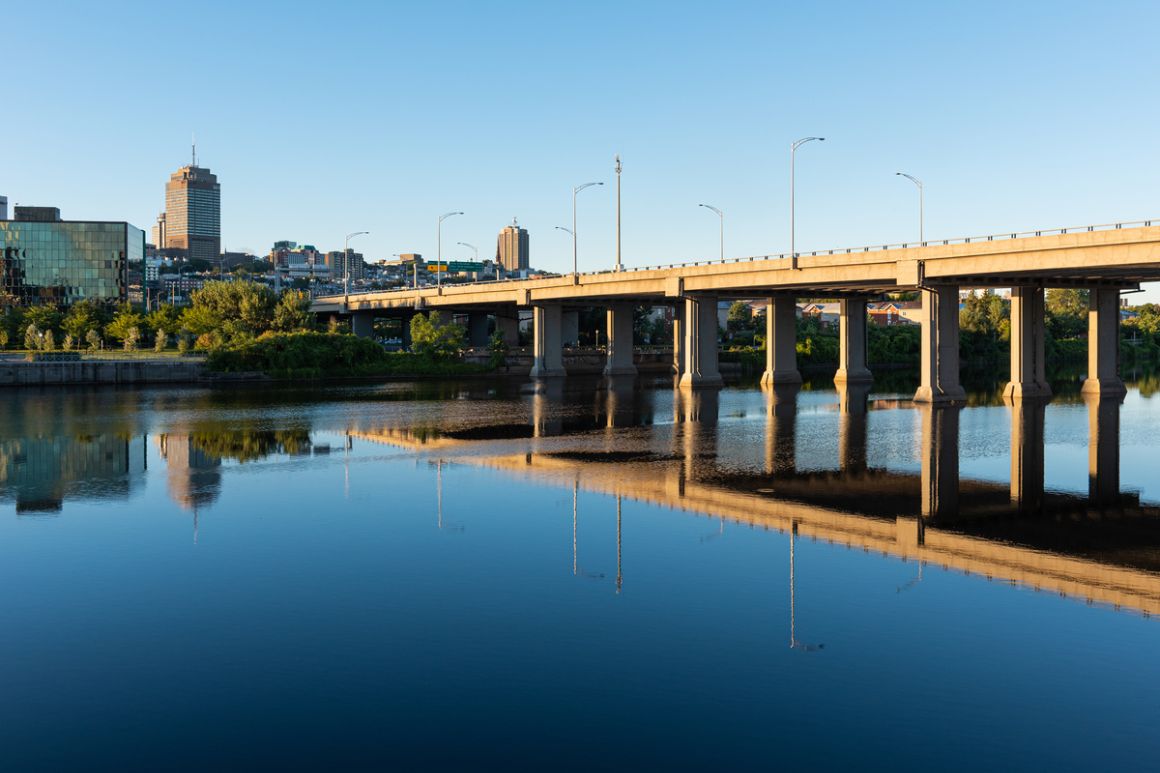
[[169, 370]]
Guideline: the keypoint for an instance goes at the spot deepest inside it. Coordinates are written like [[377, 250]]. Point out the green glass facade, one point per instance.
[[67, 261]]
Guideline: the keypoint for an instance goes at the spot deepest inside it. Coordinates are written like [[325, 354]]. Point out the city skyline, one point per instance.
[[998, 148]]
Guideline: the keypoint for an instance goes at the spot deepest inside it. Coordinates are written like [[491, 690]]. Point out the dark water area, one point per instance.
[[579, 574]]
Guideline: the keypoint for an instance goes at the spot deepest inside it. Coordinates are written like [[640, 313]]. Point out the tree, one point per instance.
[[740, 317], [69, 343], [231, 309], [165, 319], [131, 339], [1067, 311], [293, 312], [433, 337], [125, 321], [83, 316], [93, 339], [497, 349], [160, 341], [44, 317], [32, 337]]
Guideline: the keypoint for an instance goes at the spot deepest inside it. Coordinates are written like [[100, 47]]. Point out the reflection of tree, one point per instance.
[[247, 444]]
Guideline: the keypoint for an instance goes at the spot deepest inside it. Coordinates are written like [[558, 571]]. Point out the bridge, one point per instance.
[[1105, 259]]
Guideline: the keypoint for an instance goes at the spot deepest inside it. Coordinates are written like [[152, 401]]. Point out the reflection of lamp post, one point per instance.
[[794, 644], [575, 492], [619, 574], [792, 155]]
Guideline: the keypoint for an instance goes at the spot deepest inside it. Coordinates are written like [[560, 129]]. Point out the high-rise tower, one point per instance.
[[512, 250], [193, 212]]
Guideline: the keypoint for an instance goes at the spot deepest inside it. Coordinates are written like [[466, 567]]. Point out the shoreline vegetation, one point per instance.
[[243, 327]]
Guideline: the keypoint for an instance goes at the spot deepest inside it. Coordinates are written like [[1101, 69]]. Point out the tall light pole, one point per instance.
[[439, 247], [792, 155], [576, 190], [921, 214], [721, 215], [472, 246], [618, 212], [346, 264]]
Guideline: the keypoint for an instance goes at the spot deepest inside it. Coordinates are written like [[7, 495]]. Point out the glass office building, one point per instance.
[[65, 261]]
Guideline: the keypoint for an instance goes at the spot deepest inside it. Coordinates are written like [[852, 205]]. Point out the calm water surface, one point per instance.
[[581, 576]]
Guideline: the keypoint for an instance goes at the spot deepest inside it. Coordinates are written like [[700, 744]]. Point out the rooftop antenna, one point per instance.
[[193, 139]]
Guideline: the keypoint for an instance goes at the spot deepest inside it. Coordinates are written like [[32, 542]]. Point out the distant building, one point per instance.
[[3, 207], [44, 259], [337, 262], [292, 261], [192, 221], [157, 234], [512, 248]]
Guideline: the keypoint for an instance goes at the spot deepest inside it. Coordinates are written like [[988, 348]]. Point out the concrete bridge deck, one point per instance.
[[1103, 259]]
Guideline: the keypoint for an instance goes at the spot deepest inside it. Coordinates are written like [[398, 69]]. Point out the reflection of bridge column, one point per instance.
[[362, 324], [619, 397], [699, 429], [477, 329], [620, 341], [940, 461], [1028, 373], [570, 328], [700, 343], [1104, 343], [852, 343], [781, 342], [852, 426], [547, 348], [546, 417], [1027, 451], [1103, 448], [508, 323], [679, 339], [939, 376], [780, 429]]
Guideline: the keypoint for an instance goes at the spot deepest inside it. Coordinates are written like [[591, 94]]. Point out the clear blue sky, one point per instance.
[[324, 118]]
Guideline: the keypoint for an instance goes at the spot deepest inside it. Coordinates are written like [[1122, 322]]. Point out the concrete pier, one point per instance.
[[547, 348], [509, 325], [781, 342], [700, 343], [852, 343], [477, 329], [678, 339], [362, 324], [620, 341], [1104, 344], [939, 371], [1028, 331]]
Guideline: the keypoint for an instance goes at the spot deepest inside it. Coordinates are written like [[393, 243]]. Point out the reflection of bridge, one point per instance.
[[1017, 533], [1104, 259]]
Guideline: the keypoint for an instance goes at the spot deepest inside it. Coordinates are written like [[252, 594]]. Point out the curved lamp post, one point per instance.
[[921, 214], [439, 246], [792, 155], [721, 215], [576, 190], [346, 265]]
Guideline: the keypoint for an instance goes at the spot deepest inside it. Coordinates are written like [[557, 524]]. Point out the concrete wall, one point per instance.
[[18, 373]]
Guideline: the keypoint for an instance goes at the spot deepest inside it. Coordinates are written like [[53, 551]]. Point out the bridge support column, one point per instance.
[[781, 429], [939, 375], [547, 349], [509, 325], [940, 461], [405, 332], [781, 342], [700, 343], [620, 341], [570, 328], [1103, 448], [477, 329], [1027, 453], [1103, 376], [362, 324], [852, 425], [678, 339], [1028, 374], [852, 343]]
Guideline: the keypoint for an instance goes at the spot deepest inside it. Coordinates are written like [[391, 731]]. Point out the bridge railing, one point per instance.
[[815, 253]]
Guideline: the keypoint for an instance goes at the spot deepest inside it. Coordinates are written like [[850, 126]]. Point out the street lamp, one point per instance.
[[346, 264], [792, 154], [576, 190], [918, 182], [439, 247], [618, 267], [721, 215]]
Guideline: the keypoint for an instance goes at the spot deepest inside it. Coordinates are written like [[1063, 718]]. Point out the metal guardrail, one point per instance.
[[814, 253]]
